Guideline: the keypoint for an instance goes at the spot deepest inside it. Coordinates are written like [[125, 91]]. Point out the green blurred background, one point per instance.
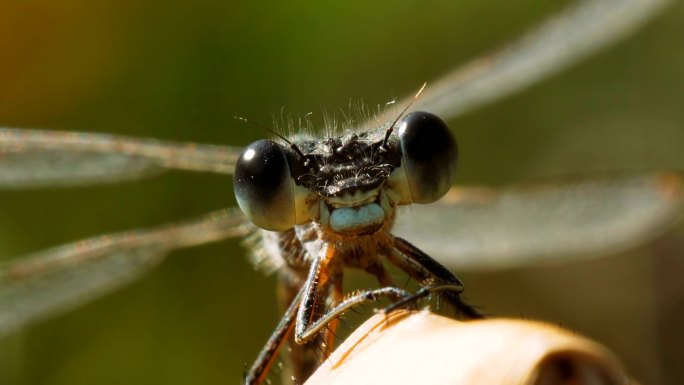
[[182, 69]]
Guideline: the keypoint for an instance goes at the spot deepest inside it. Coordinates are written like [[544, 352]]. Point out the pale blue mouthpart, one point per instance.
[[355, 220]]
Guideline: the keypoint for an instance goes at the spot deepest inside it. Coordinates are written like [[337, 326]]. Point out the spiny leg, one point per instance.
[[306, 327], [422, 293], [311, 330], [422, 268], [336, 296], [326, 273], [300, 360], [269, 352]]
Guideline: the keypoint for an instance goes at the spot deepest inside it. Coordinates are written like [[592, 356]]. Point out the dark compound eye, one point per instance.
[[264, 187], [429, 156]]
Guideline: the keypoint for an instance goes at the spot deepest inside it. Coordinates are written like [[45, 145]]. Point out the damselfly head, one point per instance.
[[350, 184]]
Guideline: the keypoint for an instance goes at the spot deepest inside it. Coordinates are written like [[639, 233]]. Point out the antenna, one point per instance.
[[292, 145], [391, 128]]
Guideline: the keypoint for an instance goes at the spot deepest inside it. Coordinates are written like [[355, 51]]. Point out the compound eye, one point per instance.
[[264, 187], [429, 156]]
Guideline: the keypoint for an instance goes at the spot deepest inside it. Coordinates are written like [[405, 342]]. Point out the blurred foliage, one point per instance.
[[182, 69]]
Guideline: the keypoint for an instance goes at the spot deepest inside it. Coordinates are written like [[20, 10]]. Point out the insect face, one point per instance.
[[350, 185]]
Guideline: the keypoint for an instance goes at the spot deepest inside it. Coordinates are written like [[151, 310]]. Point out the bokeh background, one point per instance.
[[182, 69]]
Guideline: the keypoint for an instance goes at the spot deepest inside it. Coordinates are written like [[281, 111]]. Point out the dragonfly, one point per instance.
[[561, 217]]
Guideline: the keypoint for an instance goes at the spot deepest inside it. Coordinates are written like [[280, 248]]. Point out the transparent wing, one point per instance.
[[56, 280], [579, 31], [481, 228], [36, 158]]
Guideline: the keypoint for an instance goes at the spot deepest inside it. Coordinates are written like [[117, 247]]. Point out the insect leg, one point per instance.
[[336, 296], [310, 330], [431, 274], [268, 354], [422, 293], [306, 327]]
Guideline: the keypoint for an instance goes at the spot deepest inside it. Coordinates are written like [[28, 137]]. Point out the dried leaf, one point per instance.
[[422, 347]]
